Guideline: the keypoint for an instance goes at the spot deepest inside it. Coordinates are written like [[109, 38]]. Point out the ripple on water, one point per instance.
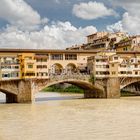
[[84, 119]]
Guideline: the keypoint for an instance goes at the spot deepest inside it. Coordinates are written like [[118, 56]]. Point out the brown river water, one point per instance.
[[57, 116]]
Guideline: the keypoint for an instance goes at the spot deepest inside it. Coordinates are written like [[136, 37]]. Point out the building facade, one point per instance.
[[101, 41], [129, 44], [10, 66], [111, 64], [22, 64]]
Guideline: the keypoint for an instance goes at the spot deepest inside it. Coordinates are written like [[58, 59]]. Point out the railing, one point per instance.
[[76, 76]]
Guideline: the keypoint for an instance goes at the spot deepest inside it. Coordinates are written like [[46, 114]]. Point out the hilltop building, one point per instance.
[[101, 41], [131, 43]]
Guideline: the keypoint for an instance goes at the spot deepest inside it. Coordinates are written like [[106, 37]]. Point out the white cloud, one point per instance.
[[23, 29], [59, 35], [115, 27], [19, 14], [92, 10], [130, 21]]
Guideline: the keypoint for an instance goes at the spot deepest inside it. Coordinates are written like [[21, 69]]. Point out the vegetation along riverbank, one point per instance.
[[69, 89]]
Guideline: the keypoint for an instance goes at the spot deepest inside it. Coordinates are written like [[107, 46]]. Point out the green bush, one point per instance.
[[72, 89]]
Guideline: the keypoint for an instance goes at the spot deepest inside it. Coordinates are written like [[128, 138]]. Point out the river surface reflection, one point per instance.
[[70, 118]]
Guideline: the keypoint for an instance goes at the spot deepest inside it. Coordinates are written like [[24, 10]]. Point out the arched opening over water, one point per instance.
[[7, 97], [2, 97], [83, 85], [132, 89]]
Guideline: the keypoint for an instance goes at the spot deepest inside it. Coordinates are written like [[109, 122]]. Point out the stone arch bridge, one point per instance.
[[23, 90]]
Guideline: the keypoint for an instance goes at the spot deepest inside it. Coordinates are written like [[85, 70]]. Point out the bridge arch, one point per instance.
[[128, 81], [10, 97], [89, 88]]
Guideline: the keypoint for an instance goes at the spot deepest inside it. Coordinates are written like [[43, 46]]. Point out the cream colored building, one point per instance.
[[9, 66], [91, 38], [101, 41], [106, 41], [110, 64], [129, 44]]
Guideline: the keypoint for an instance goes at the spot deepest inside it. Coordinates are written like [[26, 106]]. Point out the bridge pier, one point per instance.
[[90, 93], [25, 91], [111, 89]]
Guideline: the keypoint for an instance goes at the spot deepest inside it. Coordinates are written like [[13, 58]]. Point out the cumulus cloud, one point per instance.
[[130, 21], [23, 29], [92, 10], [19, 14], [115, 27], [59, 35]]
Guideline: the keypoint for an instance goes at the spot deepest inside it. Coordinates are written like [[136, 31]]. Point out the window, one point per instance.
[[113, 72], [134, 41], [41, 66], [102, 73], [41, 60], [30, 74], [71, 57], [115, 58], [14, 74], [28, 57], [30, 66], [136, 72], [125, 49], [112, 65], [129, 72], [56, 56], [16, 67], [44, 66], [6, 75], [122, 72]]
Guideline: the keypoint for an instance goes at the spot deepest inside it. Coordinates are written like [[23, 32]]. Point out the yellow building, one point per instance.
[[27, 65]]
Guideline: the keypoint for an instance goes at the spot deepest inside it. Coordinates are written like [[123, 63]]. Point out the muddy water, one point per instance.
[[57, 116]]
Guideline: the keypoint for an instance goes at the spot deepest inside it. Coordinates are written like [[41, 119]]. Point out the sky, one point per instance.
[[58, 24]]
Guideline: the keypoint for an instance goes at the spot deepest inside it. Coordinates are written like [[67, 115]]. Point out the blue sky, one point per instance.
[[59, 24], [63, 11]]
